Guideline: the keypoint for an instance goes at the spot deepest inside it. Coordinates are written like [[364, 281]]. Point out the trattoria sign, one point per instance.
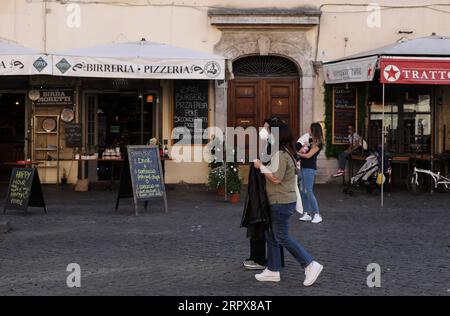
[[396, 70], [148, 69], [16, 65]]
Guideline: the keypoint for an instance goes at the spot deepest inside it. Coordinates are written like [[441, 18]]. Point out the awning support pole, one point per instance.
[[382, 148], [225, 138]]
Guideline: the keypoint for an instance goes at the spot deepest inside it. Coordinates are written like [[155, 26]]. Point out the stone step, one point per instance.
[[4, 227]]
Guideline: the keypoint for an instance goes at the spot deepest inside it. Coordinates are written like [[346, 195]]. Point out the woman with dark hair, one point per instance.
[[256, 215], [308, 175], [280, 188]]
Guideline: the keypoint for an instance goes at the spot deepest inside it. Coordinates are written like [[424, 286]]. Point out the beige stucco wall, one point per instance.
[[186, 23], [343, 31]]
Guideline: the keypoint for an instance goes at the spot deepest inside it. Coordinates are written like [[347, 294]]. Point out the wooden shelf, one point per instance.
[[47, 133], [46, 167]]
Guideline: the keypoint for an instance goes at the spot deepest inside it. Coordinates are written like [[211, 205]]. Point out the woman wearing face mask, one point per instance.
[[280, 187], [256, 216]]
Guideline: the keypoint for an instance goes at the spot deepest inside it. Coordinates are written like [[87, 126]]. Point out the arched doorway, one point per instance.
[[264, 86]]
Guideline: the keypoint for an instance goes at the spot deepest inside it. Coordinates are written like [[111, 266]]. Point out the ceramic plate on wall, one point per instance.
[[49, 125], [67, 115]]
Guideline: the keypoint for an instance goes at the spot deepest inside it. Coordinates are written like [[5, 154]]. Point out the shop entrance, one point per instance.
[[264, 86], [114, 121], [12, 131]]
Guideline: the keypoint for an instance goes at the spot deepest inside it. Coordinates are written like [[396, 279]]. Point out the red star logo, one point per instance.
[[391, 73]]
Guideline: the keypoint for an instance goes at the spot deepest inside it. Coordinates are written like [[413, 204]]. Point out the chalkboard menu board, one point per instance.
[[24, 190], [74, 135], [147, 180], [345, 111], [191, 103]]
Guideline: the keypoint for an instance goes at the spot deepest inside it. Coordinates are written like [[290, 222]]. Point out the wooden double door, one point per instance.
[[251, 100]]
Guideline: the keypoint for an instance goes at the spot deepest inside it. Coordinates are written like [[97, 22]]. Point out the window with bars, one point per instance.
[[264, 66]]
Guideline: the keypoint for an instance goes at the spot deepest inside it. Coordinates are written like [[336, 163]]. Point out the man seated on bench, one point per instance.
[[355, 143]]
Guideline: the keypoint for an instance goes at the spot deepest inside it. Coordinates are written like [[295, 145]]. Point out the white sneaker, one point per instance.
[[339, 173], [252, 265], [312, 272], [306, 217], [268, 276], [317, 219]]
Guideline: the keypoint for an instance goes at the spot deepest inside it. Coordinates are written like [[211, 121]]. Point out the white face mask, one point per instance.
[[263, 134]]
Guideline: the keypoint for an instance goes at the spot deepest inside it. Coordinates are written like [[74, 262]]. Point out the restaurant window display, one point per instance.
[[115, 121], [12, 131], [407, 118], [52, 154]]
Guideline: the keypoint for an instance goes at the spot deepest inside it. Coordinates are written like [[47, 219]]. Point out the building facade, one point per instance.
[[274, 49]]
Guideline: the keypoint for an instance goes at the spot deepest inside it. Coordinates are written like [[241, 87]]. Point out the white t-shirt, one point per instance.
[[304, 139], [354, 139]]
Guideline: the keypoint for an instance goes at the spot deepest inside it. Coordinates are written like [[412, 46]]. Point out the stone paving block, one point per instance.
[[198, 247], [4, 227]]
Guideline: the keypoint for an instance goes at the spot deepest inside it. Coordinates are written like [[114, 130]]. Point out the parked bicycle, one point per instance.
[[422, 180]]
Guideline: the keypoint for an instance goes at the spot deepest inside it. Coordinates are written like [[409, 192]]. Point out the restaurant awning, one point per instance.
[[138, 60], [431, 52], [16, 60], [423, 60]]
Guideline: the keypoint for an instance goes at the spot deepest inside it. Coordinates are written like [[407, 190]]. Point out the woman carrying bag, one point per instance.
[[280, 188]]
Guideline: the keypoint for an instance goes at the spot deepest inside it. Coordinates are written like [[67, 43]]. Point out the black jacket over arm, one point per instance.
[[256, 207]]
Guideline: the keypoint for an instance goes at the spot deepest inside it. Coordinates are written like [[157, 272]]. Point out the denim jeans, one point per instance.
[[343, 157], [279, 235], [306, 187]]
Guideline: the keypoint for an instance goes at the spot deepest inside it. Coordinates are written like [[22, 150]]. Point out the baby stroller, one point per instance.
[[367, 175]]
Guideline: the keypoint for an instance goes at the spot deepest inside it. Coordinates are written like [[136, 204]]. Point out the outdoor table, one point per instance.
[[23, 164], [120, 161], [351, 168], [113, 164], [400, 161], [444, 163]]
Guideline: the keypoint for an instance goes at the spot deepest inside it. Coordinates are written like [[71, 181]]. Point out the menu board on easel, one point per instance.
[[24, 190], [190, 104], [144, 180], [345, 112]]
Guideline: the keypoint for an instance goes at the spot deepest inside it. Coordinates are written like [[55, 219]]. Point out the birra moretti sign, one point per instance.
[[415, 71]]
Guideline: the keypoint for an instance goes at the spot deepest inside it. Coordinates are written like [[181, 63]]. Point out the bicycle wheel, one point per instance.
[[444, 187], [422, 184]]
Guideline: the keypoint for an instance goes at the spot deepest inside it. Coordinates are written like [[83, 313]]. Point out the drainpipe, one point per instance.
[[315, 73], [44, 38]]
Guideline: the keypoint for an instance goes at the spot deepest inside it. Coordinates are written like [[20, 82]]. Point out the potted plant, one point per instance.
[[234, 183], [216, 179]]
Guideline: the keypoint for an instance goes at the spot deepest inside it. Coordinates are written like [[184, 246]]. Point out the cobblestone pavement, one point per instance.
[[197, 248]]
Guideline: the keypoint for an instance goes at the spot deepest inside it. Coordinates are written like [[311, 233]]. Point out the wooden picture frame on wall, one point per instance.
[[346, 98]]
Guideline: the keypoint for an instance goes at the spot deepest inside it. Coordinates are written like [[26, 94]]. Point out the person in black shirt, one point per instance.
[[308, 172]]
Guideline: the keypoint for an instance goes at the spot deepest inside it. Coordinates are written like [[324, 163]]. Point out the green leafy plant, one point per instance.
[[216, 177], [234, 181]]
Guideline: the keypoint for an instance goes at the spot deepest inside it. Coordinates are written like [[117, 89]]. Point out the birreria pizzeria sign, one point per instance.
[[406, 70], [148, 69]]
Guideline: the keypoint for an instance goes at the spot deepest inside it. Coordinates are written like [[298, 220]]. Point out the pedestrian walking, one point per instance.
[[280, 188], [256, 215]]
